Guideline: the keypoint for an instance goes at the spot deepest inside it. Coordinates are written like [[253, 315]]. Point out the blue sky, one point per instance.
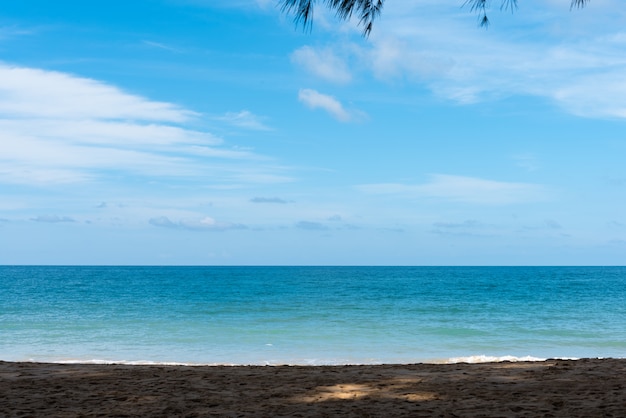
[[216, 132]]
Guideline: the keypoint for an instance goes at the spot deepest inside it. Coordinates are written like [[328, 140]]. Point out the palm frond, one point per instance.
[[578, 3], [301, 9], [480, 6], [366, 10], [369, 10], [509, 5]]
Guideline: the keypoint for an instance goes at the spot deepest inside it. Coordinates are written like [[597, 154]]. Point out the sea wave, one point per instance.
[[498, 359], [453, 360]]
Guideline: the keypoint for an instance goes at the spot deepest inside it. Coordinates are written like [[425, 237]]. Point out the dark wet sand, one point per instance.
[[554, 388]]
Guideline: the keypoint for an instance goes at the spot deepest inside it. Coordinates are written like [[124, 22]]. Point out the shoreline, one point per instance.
[[474, 359], [572, 388]]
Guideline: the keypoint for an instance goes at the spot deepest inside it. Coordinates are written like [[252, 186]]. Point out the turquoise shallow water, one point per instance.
[[309, 315]]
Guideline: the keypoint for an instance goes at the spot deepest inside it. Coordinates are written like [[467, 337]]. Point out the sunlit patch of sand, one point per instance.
[[393, 389]]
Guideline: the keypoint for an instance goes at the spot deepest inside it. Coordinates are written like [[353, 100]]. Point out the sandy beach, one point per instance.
[[553, 388]]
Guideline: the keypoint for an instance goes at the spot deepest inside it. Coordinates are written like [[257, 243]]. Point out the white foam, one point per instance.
[[490, 359], [482, 358], [135, 362]]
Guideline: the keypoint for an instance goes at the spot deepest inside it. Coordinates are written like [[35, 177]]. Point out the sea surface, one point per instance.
[[310, 315]]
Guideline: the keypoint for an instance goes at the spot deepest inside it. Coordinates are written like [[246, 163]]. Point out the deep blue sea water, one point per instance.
[[310, 315]]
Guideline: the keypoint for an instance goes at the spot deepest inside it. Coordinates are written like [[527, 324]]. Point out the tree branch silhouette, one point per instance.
[[367, 11]]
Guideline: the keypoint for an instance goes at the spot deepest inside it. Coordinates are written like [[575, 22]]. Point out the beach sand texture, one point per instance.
[[553, 388]]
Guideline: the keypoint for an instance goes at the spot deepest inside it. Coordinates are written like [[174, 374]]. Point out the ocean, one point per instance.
[[310, 315]]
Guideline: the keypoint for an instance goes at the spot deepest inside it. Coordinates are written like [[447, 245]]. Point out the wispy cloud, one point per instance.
[[203, 224], [245, 119], [52, 219], [317, 100], [582, 74], [526, 161], [13, 31], [467, 228], [470, 223], [311, 226], [323, 63], [548, 224], [268, 200], [160, 45], [60, 128], [462, 189], [29, 92], [572, 59]]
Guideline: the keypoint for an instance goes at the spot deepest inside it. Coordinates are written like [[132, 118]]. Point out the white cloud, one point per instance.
[[160, 45], [323, 63], [391, 57], [469, 223], [7, 32], [58, 128], [462, 189], [93, 132], [28, 92], [245, 119], [268, 200], [573, 59], [52, 219], [203, 224], [315, 100], [311, 226], [547, 224], [597, 95], [467, 228]]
